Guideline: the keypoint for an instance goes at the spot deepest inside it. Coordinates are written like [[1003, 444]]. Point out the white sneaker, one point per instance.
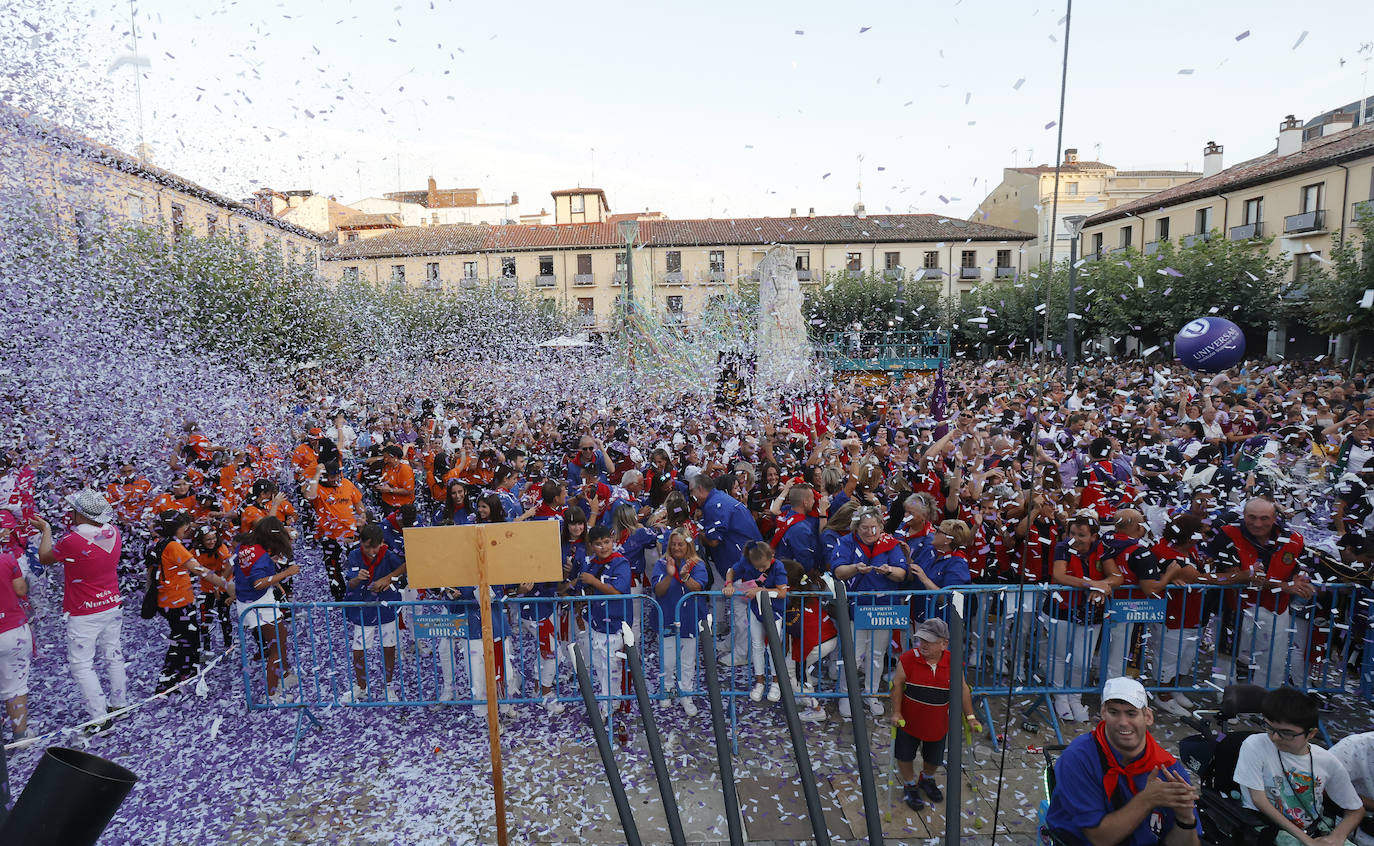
[[756, 694], [1185, 702], [732, 660], [875, 707], [810, 702], [392, 694], [1173, 706], [774, 692], [448, 694], [290, 680], [552, 705], [506, 710], [844, 706], [813, 715], [283, 696], [1062, 709], [689, 707], [1080, 711], [358, 694]]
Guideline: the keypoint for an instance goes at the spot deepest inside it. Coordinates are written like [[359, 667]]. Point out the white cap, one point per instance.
[[1125, 690]]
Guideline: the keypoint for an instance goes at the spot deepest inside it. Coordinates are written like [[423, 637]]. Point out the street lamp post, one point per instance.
[[629, 231], [1073, 223]]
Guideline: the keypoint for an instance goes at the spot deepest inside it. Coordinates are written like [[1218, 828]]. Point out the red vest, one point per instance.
[[1283, 563]]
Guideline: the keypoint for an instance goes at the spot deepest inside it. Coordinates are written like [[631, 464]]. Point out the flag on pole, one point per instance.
[[939, 400]]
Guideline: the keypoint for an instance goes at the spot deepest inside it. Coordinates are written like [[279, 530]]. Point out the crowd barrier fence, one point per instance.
[[1035, 641]]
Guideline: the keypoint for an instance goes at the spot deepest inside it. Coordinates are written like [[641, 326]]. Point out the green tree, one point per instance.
[[1334, 291], [873, 302]]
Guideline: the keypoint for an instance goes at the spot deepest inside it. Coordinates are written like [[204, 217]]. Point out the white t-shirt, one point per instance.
[[1356, 754], [1257, 768]]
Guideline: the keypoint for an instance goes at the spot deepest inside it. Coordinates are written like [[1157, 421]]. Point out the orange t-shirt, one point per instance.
[[305, 460], [284, 511], [199, 443], [188, 503], [399, 476], [265, 461], [174, 587], [216, 562], [129, 500], [334, 510]]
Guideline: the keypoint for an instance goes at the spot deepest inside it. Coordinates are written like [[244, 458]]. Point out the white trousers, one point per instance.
[[1070, 653], [679, 663], [1177, 652], [544, 633], [1263, 643], [477, 670], [813, 660], [870, 648], [87, 634], [606, 666]]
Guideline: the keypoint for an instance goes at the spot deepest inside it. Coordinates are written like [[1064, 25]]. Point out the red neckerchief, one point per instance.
[[372, 568], [1154, 756], [250, 554], [545, 511], [786, 522], [884, 543]]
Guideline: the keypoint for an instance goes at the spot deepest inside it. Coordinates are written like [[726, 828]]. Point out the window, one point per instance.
[[619, 262], [1162, 229], [508, 266], [715, 302], [584, 264], [134, 204], [1125, 237], [717, 261], [1073, 189], [853, 261], [1312, 198], [891, 260], [586, 305], [1304, 264], [546, 265], [1004, 258], [932, 260], [1254, 211], [350, 273], [469, 270], [673, 262], [675, 304], [431, 271], [578, 203], [803, 259], [1097, 243], [178, 221], [398, 274], [968, 258], [352, 236], [1203, 223], [211, 225]]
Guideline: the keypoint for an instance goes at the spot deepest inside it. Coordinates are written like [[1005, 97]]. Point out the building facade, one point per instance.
[[87, 189], [1306, 194], [437, 206], [1025, 198], [680, 267]]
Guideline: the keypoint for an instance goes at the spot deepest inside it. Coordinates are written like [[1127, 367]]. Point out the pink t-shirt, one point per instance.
[[12, 614], [90, 562]]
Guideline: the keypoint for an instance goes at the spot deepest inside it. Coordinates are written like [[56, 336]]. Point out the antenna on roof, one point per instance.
[[142, 148], [1097, 155]]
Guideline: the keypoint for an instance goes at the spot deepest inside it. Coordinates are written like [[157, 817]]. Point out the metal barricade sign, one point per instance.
[[1139, 610], [440, 625], [878, 617]]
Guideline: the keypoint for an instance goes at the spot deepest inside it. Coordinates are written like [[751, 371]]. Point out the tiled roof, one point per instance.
[[445, 240], [49, 132], [1314, 155], [568, 192], [838, 229], [1139, 173], [370, 221], [1066, 168]]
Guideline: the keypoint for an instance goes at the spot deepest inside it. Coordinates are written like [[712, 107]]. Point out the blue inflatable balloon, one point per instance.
[[1210, 344]]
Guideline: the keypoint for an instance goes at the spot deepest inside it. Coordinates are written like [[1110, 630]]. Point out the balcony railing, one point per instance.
[[467, 282], [1114, 250], [892, 274], [618, 278], [853, 273], [510, 282], [1312, 221], [586, 321], [1151, 248], [675, 318], [1247, 231], [545, 280], [434, 284], [1005, 272], [673, 277], [804, 276], [1198, 238], [584, 279], [716, 276], [970, 273]]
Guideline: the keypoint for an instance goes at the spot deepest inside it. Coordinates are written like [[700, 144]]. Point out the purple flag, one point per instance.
[[938, 401]]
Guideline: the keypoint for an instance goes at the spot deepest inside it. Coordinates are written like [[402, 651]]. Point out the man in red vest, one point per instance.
[[1266, 555]]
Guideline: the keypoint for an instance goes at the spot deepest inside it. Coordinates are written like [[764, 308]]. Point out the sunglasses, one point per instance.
[[1286, 734]]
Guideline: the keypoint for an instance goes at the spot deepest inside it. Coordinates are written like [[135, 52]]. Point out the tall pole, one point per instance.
[[845, 626], [1058, 160], [646, 714], [707, 638], [1071, 341], [954, 750], [603, 745]]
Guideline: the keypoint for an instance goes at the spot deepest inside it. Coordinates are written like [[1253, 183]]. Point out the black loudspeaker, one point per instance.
[[69, 800]]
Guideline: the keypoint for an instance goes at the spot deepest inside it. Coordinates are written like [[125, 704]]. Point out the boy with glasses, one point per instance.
[[1286, 776]]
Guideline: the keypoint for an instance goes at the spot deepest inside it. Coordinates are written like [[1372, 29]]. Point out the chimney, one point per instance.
[[1340, 122], [1290, 136], [430, 199], [859, 211], [1070, 155], [811, 212], [1211, 159], [514, 199], [792, 213]]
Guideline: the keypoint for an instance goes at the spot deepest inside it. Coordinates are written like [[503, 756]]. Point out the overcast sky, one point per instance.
[[696, 109]]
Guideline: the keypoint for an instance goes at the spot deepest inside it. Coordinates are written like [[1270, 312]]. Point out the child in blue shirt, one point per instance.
[[759, 571], [606, 573], [370, 574]]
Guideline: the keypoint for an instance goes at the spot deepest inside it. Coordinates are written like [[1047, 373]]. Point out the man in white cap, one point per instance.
[[89, 553], [1118, 785]]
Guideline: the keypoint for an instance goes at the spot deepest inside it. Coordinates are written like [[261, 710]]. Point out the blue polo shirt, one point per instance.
[[728, 521], [1079, 802], [384, 611]]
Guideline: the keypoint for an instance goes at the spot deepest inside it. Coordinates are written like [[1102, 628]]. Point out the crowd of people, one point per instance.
[[1124, 477]]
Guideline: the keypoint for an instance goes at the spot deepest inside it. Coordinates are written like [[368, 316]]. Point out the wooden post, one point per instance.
[[493, 723]]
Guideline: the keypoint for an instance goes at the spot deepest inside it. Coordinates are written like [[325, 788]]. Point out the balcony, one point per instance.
[[673, 277], [1362, 209], [467, 282], [675, 318], [435, 284], [853, 273], [716, 277], [586, 321], [1005, 272], [545, 280], [584, 279], [1151, 248], [892, 274], [1199, 238], [1247, 231], [1313, 221], [510, 283], [804, 276], [1116, 250], [618, 278], [929, 273], [970, 273]]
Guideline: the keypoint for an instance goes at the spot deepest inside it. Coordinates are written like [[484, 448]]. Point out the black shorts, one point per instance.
[[932, 751]]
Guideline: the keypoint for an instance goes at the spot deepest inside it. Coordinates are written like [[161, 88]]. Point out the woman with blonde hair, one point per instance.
[[679, 572]]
